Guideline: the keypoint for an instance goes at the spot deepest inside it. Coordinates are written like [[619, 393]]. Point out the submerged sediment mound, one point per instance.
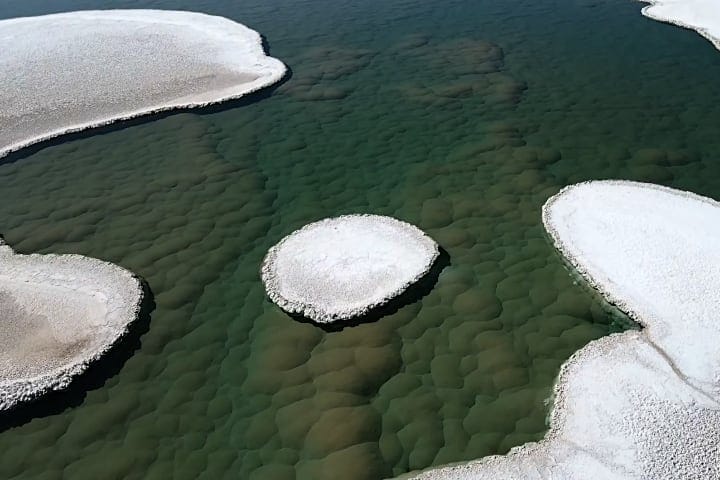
[[639, 404], [59, 314], [68, 72], [703, 16], [340, 268]]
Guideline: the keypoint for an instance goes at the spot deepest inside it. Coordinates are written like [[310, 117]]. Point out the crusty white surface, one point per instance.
[[340, 268], [67, 72], [703, 16], [58, 313], [635, 405]]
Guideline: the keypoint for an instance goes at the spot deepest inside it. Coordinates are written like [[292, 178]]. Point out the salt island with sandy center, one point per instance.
[[639, 404], [67, 72], [60, 313]]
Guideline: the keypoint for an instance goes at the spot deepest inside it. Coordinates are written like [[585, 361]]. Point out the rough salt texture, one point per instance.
[[59, 313], [68, 72], [340, 268], [641, 404], [703, 16]]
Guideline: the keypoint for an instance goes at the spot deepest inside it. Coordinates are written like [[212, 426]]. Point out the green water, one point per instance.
[[461, 117]]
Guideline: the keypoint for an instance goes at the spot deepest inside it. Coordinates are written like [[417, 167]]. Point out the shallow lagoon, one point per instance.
[[460, 117]]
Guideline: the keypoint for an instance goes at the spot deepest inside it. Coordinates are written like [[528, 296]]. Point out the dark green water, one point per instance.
[[461, 117]]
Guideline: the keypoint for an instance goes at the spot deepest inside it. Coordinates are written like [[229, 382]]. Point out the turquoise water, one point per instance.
[[460, 117]]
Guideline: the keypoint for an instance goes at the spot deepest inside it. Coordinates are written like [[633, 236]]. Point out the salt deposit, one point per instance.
[[59, 314], [703, 16], [340, 268], [641, 404], [67, 72]]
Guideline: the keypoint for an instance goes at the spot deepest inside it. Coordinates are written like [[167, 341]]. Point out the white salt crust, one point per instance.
[[67, 72], [58, 314], [703, 16], [639, 404], [340, 268]]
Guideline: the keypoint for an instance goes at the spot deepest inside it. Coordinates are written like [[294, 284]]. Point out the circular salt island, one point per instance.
[[343, 267], [60, 313]]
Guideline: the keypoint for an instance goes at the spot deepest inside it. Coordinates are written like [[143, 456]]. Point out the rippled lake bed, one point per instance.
[[459, 117]]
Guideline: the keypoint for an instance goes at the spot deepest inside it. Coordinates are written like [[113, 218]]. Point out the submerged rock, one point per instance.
[[340, 268], [58, 313], [71, 71]]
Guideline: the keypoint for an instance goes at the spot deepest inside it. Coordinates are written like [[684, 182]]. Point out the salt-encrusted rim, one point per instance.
[[16, 391]]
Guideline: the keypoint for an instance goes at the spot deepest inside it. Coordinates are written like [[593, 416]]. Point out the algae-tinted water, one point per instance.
[[461, 117]]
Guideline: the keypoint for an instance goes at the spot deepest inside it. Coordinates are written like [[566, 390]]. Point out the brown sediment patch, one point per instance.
[[320, 68], [475, 66]]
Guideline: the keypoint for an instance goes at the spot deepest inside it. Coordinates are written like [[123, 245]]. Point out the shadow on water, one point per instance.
[[117, 125], [617, 319], [414, 293], [93, 378]]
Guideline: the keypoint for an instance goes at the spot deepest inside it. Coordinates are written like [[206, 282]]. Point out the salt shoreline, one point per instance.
[[657, 414], [702, 16], [340, 268], [61, 314], [216, 60]]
